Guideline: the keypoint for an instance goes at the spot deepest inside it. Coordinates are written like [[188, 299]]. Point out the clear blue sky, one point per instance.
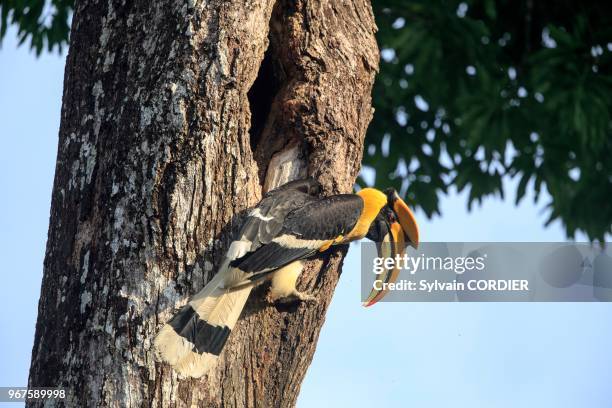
[[390, 355]]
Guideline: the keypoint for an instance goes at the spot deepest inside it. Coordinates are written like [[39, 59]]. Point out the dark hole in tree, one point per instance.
[[261, 95]]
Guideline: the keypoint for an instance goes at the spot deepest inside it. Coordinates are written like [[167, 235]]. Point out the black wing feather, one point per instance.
[[320, 220], [324, 219], [274, 207], [270, 257]]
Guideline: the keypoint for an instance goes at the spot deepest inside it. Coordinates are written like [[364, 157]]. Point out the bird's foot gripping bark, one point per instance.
[[283, 290], [294, 297], [305, 297]]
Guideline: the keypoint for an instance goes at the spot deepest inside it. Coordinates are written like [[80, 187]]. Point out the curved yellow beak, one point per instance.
[[393, 243], [407, 221], [401, 233]]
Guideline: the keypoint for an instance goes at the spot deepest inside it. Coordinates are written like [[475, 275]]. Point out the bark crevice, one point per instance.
[[262, 94], [279, 151]]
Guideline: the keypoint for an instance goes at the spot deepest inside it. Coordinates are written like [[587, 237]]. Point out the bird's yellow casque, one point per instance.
[[289, 225]]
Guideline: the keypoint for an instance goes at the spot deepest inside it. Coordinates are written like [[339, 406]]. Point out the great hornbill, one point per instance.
[[290, 224]]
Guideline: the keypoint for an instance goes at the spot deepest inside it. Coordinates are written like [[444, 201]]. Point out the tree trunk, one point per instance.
[[175, 117]]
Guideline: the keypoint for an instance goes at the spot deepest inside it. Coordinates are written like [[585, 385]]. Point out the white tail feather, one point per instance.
[[215, 305]]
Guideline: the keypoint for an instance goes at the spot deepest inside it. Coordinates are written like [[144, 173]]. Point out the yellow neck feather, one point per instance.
[[373, 202]]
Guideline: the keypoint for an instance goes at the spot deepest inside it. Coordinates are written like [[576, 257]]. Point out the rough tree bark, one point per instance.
[[175, 117]]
